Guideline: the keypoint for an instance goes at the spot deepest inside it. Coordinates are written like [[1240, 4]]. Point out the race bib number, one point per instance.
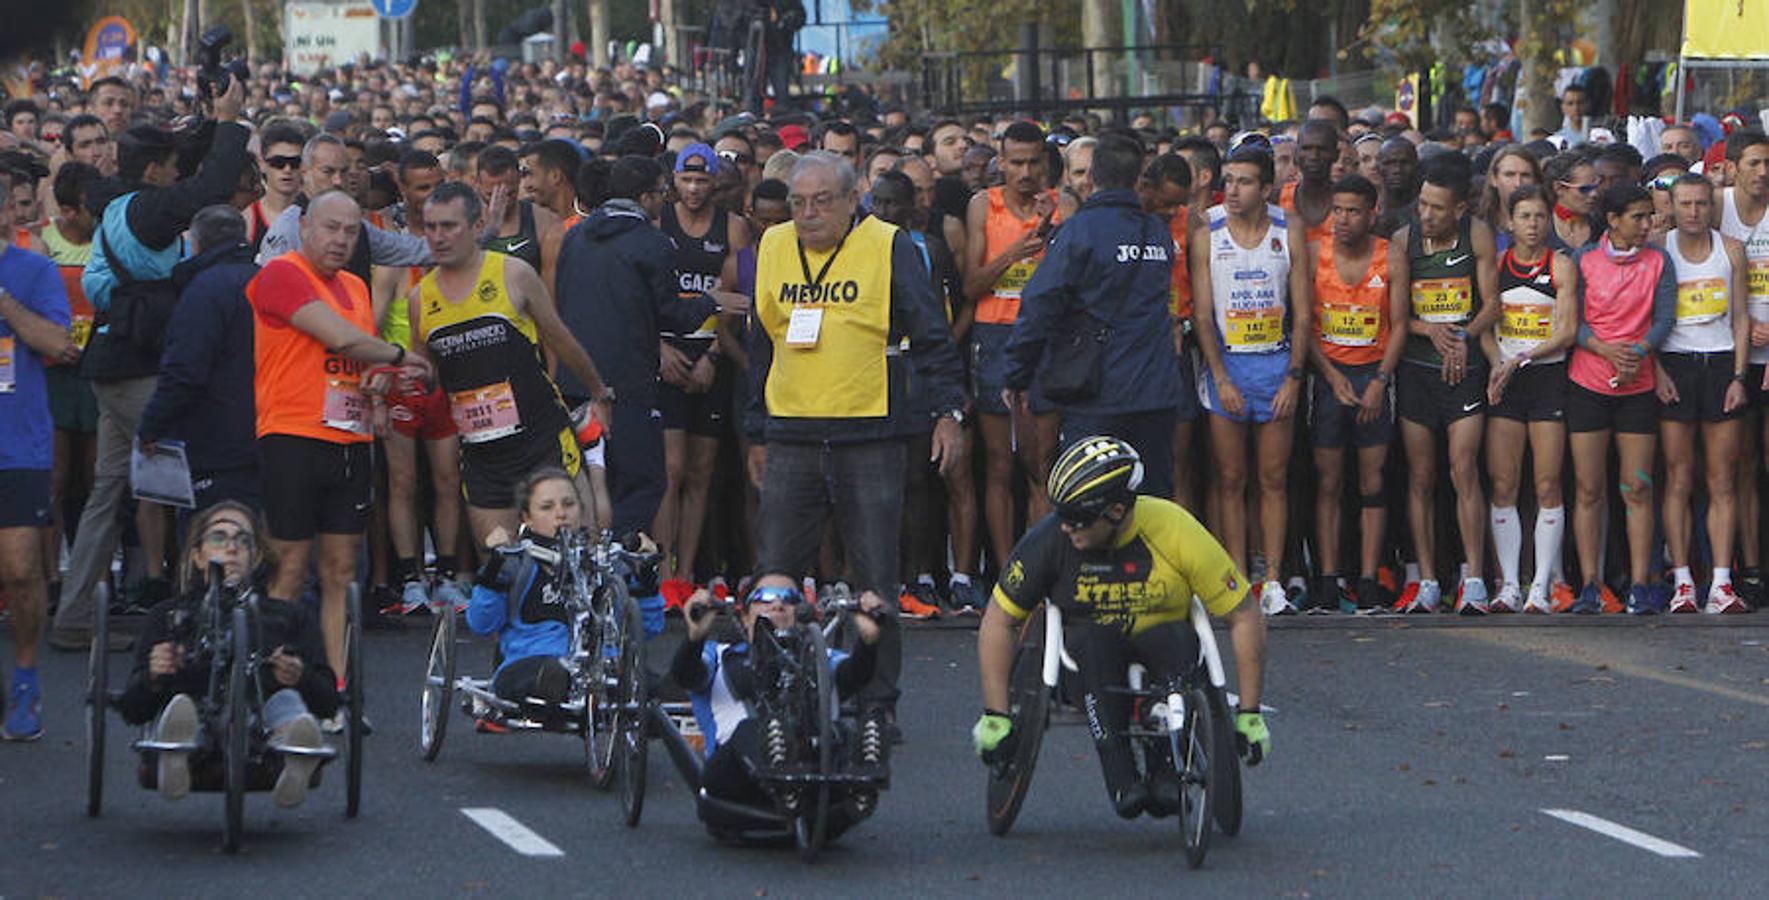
[[1757, 276], [804, 326], [8, 373], [1013, 281], [1253, 330], [1527, 323], [1350, 325], [1700, 301], [346, 409], [485, 413], [1443, 299], [80, 330]]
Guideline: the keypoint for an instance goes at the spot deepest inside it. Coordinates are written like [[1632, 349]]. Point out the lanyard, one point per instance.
[[805, 263]]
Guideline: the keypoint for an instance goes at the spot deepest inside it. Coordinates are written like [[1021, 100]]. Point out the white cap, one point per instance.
[[659, 98]]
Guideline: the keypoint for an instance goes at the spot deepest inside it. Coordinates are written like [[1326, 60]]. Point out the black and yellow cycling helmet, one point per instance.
[[1094, 473]]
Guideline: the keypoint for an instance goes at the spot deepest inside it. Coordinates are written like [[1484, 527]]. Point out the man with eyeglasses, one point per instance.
[[835, 298], [279, 153]]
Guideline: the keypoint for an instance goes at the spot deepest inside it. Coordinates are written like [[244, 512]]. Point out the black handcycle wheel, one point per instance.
[[439, 684], [97, 697], [353, 699], [601, 704], [235, 743], [633, 700], [1193, 748], [811, 825], [1225, 772], [1028, 702]]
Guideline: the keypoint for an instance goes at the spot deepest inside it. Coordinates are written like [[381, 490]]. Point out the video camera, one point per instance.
[[212, 76]]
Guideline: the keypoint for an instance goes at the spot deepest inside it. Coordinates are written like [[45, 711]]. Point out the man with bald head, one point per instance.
[[314, 335], [1681, 140]]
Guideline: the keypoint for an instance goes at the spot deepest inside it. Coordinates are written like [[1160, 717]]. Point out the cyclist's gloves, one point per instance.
[[992, 735], [1252, 738]]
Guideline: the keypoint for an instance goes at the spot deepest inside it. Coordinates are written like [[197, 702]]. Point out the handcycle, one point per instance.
[[1181, 722], [607, 699], [229, 712], [806, 733]]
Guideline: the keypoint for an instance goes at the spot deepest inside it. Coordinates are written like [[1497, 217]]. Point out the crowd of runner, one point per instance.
[[402, 289]]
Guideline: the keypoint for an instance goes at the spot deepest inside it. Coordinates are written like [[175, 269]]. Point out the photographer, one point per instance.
[[128, 283]]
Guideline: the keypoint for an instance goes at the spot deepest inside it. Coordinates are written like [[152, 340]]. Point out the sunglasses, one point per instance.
[[742, 159], [1586, 189], [239, 540], [782, 595], [283, 162], [1664, 182], [1077, 519]]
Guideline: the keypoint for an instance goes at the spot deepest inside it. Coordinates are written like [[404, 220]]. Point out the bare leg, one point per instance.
[[1679, 438], [1372, 520], [703, 455], [997, 485], [1046, 428], [337, 569], [1421, 447], [961, 509], [1274, 482], [1228, 445], [445, 480], [1471, 511], [1636, 452], [1329, 467], [1720, 443], [1590, 465], [150, 526], [404, 529], [663, 527], [1182, 469], [26, 595]]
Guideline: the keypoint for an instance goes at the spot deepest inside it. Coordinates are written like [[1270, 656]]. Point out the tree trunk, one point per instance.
[[251, 30], [461, 23], [665, 51], [478, 26], [1535, 102], [1101, 26], [599, 36]]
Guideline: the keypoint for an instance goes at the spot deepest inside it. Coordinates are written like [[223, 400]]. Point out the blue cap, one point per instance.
[[708, 160]]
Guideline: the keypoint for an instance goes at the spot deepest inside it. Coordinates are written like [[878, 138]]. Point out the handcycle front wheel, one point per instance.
[[1029, 708], [97, 697], [810, 826], [633, 701], [1225, 769], [236, 742], [439, 684], [1194, 749], [601, 712], [353, 700]]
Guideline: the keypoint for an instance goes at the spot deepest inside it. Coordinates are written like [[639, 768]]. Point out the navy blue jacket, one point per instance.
[[204, 396], [1114, 261], [617, 291]]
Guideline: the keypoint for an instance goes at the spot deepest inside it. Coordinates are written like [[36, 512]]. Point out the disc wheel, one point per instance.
[[1028, 705], [632, 702], [1193, 748], [439, 684], [234, 747], [811, 825], [353, 700], [97, 697]]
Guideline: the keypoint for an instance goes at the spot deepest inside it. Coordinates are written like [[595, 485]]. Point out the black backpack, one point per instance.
[[132, 331]]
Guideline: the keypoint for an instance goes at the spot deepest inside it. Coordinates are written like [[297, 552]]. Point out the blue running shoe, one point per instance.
[[966, 600], [1642, 601], [24, 720], [1590, 601]]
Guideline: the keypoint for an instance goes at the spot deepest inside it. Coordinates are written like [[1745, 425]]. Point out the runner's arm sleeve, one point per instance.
[[917, 312], [387, 248], [1664, 302], [1042, 301], [159, 215]]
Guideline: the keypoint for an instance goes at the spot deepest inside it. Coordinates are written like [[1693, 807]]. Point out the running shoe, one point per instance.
[[1590, 601], [1683, 600], [449, 593], [1564, 597], [1472, 601], [966, 600], [291, 783], [1371, 596], [1426, 598], [414, 598], [1540, 600], [24, 717], [1611, 603], [676, 592], [1273, 601], [1347, 604], [1510, 600], [177, 725], [1641, 601], [1724, 600], [385, 602], [1749, 587], [1408, 594], [914, 608]]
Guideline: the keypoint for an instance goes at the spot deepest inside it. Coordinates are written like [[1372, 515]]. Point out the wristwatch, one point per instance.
[[1295, 372], [1384, 377], [1738, 377]]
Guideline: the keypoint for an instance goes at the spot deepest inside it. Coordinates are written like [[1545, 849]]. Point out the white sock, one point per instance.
[[1550, 532], [1507, 541], [1681, 573], [926, 578], [1722, 575], [960, 578]]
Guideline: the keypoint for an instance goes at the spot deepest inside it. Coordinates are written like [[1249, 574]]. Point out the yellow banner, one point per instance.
[[1726, 29]]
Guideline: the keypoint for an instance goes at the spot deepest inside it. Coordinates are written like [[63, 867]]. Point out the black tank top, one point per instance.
[[525, 244], [1539, 278], [699, 260]]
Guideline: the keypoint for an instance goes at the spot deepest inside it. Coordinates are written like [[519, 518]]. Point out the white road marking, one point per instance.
[[1623, 833], [1556, 757], [505, 828]]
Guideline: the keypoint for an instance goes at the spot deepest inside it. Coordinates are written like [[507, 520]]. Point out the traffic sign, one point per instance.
[[394, 9]]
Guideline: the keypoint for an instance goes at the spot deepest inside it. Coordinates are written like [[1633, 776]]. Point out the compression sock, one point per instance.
[[1507, 541], [1550, 531]]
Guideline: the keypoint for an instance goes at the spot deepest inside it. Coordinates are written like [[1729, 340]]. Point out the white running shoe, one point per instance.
[[177, 725], [1683, 601], [1510, 600], [1723, 600], [1425, 601], [291, 784], [1273, 601], [1539, 601]]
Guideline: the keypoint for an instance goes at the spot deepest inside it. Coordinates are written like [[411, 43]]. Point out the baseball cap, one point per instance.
[[697, 157], [793, 136]]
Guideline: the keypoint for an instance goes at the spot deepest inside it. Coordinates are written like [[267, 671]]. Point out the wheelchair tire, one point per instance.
[[236, 741], [811, 825], [601, 725], [632, 735], [1028, 700], [97, 698], [1194, 751], [353, 699], [1225, 769], [439, 684]]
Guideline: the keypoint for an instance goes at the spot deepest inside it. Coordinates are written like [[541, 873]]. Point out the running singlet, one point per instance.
[[488, 358], [1317, 234], [1526, 300], [1756, 255], [525, 244], [1250, 287], [71, 259], [257, 225], [304, 389], [1000, 231], [1352, 319], [699, 261], [1442, 290], [1704, 299], [1146, 579]]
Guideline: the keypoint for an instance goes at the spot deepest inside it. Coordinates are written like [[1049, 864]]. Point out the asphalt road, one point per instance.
[[1411, 758]]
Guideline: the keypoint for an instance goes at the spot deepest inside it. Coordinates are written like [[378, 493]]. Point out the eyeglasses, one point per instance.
[[283, 162], [217, 539], [783, 595], [821, 202]]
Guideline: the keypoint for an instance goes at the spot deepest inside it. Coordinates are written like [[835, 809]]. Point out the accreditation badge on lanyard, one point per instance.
[[806, 323]]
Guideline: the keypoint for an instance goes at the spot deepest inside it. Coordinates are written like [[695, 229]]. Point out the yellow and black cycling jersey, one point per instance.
[[1146, 578]]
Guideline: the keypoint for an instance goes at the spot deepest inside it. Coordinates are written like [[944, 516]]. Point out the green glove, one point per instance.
[[991, 729], [1252, 736]]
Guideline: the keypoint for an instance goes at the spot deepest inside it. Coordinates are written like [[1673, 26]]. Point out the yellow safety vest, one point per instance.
[[843, 373]]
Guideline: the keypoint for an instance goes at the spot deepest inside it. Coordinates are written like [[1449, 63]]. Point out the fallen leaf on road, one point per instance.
[[1507, 753]]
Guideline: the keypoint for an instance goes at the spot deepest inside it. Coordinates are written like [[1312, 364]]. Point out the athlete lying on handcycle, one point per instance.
[[722, 683], [171, 676]]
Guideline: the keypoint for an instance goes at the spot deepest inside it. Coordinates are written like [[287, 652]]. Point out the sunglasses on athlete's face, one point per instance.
[[283, 162], [1586, 189], [742, 159], [1665, 181], [782, 595], [1077, 519]]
